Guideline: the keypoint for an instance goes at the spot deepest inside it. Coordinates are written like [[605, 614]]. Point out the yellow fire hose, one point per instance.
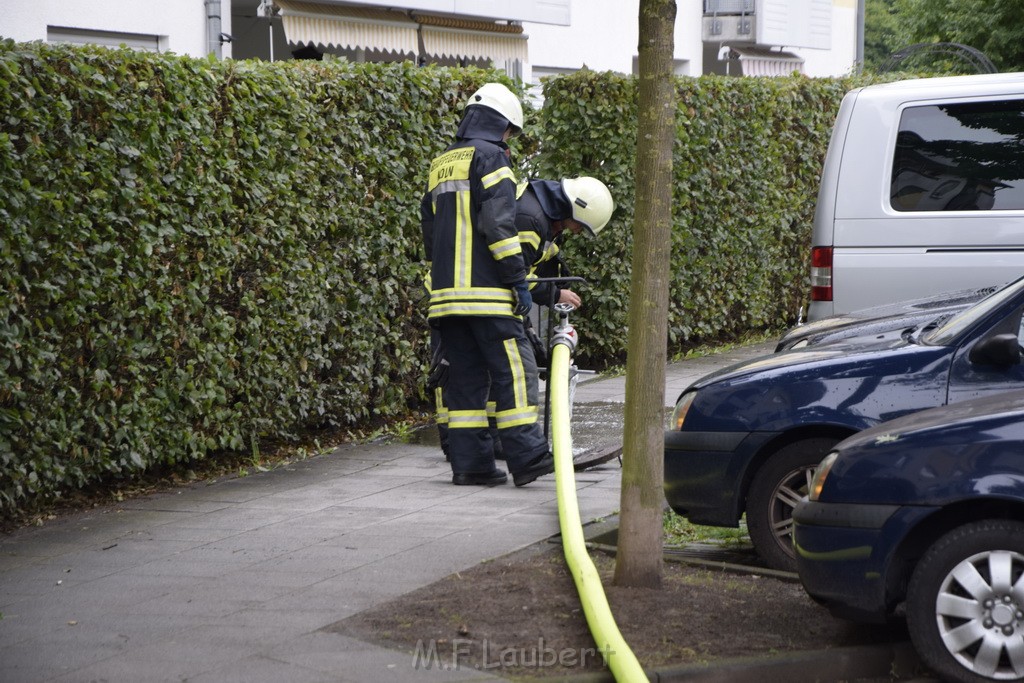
[[620, 659]]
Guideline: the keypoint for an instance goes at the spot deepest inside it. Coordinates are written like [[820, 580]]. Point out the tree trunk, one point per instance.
[[639, 558]]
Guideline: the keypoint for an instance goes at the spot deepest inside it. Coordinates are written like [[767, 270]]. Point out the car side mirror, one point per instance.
[[1000, 349]]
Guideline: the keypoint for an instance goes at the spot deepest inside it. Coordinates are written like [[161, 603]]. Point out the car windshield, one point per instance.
[[948, 330]]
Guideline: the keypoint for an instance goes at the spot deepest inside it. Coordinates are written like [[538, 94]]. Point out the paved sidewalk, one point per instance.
[[233, 580]]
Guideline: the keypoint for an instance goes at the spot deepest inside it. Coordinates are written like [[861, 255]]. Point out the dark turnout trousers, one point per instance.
[[491, 357]]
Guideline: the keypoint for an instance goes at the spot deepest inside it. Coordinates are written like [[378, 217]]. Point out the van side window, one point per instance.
[[960, 157]]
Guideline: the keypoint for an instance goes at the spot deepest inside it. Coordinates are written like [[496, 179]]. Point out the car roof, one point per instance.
[[949, 86]]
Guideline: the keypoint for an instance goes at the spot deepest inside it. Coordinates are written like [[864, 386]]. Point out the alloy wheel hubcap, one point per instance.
[[790, 490], [979, 610]]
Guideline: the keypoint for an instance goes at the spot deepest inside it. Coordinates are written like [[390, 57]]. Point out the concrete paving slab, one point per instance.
[[424, 524], [175, 502], [181, 531], [45, 577], [357, 662], [259, 668], [70, 644], [24, 545], [187, 566], [118, 590], [287, 620], [238, 518], [168, 660], [265, 543]]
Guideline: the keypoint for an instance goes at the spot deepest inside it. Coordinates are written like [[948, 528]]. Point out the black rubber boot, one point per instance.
[[493, 478], [544, 464]]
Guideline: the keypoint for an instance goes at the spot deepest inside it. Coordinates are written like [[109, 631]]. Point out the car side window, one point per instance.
[[960, 157]]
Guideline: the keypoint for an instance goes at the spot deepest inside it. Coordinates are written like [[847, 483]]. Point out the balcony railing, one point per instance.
[[727, 7]]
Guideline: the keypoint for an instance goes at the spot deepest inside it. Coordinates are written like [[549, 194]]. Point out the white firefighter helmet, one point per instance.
[[592, 203], [502, 100]]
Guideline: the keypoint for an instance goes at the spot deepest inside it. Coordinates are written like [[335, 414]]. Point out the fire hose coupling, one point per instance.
[[564, 333], [566, 336]]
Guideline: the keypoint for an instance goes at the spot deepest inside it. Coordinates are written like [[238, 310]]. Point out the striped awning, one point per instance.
[[761, 61], [311, 23], [444, 42], [307, 23], [454, 37]]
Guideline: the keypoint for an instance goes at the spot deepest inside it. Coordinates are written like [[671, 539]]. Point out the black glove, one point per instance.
[[438, 376], [540, 352], [524, 302]]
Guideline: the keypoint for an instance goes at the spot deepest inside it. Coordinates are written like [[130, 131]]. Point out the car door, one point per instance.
[[975, 373]]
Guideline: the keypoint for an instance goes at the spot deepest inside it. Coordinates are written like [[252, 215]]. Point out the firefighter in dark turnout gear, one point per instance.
[[544, 214], [478, 295], [545, 211]]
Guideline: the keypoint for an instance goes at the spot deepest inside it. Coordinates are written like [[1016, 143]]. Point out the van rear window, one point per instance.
[[960, 157]]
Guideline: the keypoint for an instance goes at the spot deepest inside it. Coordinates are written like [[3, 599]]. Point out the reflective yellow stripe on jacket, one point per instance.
[[506, 247], [470, 301], [449, 173], [496, 177]]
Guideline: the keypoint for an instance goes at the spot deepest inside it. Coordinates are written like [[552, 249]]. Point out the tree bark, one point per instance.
[[638, 561]]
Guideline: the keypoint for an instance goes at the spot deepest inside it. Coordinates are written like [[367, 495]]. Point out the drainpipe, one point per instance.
[[213, 32], [859, 48]]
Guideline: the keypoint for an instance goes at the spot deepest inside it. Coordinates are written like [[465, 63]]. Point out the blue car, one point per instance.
[[746, 439], [927, 511]]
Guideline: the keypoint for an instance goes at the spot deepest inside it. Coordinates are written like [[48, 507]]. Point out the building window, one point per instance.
[[84, 36]]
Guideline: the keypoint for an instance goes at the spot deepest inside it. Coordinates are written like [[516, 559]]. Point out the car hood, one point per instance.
[[898, 316], [935, 457], [853, 349], [853, 384], [936, 302], [1009, 405], [842, 327]]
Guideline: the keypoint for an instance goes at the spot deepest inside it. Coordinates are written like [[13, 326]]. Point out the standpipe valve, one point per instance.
[[564, 333]]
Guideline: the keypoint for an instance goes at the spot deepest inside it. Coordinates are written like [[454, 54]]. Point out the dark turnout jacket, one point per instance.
[[540, 203], [468, 222]]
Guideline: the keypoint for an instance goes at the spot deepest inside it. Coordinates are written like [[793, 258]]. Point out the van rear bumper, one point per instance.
[[816, 310]]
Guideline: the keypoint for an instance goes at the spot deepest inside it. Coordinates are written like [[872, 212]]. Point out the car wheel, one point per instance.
[[776, 489], [965, 603]]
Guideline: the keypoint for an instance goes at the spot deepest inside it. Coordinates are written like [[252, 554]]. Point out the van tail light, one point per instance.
[[821, 274]]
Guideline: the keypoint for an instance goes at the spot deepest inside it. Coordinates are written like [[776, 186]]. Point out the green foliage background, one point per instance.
[[994, 28], [746, 164], [197, 255]]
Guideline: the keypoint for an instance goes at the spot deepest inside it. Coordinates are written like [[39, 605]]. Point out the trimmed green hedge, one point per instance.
[[196, 255]]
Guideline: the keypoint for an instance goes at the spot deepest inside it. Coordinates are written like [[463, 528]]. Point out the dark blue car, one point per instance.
[[928, 511], [746, 439]]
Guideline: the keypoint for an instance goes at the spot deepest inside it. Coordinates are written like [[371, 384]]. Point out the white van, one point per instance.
[[922, 192]]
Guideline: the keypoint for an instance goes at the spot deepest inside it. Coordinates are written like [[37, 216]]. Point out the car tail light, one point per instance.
[[821, 274]]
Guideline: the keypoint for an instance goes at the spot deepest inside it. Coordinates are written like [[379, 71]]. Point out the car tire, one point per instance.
[[775, 490], [969, 635]]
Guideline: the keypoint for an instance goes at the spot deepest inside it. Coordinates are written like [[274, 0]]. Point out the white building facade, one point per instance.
[[185, 27], [528, 38]]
